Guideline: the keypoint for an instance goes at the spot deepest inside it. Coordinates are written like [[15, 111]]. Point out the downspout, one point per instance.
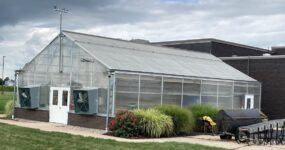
[[248, 65], [108, 101]]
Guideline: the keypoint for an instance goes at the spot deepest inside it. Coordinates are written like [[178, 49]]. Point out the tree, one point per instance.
[[6, 79], [1, 81]]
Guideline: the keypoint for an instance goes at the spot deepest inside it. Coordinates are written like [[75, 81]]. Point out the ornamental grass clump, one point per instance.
[[154, 123], [203, 110], [125, 124], [183, 120], [9, 109]]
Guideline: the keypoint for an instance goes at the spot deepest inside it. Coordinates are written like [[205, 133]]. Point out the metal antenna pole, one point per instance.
[[3, 75], [61, 11]]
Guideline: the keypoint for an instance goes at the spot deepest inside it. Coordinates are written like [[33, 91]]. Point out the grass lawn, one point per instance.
[[14, 137], [4, 99]]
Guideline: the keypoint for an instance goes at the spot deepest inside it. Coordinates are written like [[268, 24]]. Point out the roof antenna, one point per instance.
[[61, 11]]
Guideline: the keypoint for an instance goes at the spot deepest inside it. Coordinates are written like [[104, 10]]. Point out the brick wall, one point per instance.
[[271, 72]]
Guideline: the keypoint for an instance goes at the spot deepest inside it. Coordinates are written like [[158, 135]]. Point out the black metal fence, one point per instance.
[[268, 132]]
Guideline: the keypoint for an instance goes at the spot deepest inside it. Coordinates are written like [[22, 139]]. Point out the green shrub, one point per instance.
[[183, 119], [125, 124], [9, 109], [154, 123], [204, 110]]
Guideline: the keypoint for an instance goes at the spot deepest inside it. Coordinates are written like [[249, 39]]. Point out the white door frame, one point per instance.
[[58, 111], [249, 97]]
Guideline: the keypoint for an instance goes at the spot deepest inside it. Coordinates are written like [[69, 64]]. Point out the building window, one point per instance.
[[55, 97], [64, 98]]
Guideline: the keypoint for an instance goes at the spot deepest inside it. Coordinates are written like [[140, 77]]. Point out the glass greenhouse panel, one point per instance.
[[127, 83], [151, 84], [225, 102], [171, 100], [127, 88], [209, 100], [125, 101], [240, 88], [172, 86], [189, 100], [172, 91], [149, 100], [209, 93], [102, 101], [191, 92], [209, 88], [238, 102], [191, 87], [225, 95]]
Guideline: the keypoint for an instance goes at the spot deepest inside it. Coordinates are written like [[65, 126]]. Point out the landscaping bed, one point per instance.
[[160, 121]]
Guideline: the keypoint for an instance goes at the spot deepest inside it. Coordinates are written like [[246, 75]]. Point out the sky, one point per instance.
[[27, 26]]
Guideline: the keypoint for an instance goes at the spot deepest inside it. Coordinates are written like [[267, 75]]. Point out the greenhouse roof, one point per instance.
[[124, 55]]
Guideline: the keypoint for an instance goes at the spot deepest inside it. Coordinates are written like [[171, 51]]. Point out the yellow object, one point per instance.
[[209, 119]]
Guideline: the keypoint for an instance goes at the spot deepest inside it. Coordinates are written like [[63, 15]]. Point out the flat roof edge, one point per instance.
[[206, 40], [253, 57]]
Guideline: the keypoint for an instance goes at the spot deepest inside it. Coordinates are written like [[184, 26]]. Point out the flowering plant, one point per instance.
[[125, 124]]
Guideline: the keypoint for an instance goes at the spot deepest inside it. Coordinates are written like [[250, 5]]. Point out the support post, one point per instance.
[[14, 95], [108, 101], [3, 75], [61, 11]]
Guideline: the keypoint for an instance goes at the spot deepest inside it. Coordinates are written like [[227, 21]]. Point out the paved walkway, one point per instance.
[[199, 139]]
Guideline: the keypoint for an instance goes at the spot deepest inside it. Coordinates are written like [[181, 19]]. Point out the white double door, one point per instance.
[[59, 104]]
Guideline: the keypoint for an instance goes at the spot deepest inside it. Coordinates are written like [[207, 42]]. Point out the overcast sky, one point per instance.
[[26, 26]]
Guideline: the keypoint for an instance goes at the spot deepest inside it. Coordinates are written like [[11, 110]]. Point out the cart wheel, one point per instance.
[[255, 141], [229, 137], [282, 141], [223, 137], [241, 137]]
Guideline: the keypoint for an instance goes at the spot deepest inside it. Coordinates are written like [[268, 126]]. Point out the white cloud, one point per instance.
[[254, 22]]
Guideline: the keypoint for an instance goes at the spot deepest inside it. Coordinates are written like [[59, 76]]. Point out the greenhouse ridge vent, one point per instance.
[[130, 75]]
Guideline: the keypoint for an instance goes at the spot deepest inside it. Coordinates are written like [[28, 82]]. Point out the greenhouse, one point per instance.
[[77, 77]]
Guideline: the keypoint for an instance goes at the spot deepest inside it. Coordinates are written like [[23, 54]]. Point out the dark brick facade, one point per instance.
[[88, 121], [227, 50], [271, 72], [32, 114], [216, 47], [202, 47], [278, 50]]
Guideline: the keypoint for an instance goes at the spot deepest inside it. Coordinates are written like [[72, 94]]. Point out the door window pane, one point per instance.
[[248, 103], [64, 98], [55, 97]]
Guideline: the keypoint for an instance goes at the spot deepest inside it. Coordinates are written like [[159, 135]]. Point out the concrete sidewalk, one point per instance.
[[199, 139]]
